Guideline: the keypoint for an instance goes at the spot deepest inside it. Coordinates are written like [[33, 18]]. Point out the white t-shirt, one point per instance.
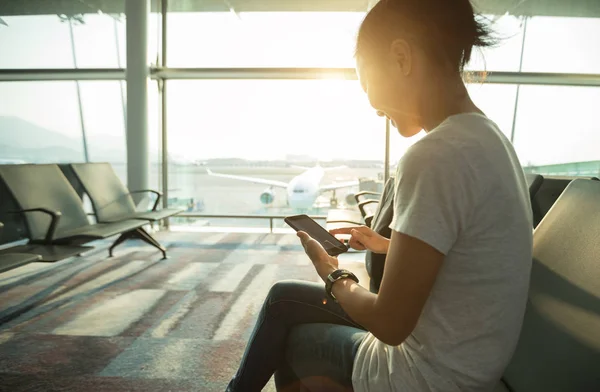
[[461, 190]]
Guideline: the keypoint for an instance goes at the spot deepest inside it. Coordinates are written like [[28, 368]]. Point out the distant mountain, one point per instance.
[[54, 154], [16, 132], [23, 140]]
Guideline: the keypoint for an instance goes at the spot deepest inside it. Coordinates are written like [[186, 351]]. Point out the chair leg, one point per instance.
[[122, 238], [146, 237]]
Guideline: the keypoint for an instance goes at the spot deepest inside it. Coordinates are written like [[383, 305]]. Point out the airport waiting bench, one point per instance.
[[111, 200], [55, 216]]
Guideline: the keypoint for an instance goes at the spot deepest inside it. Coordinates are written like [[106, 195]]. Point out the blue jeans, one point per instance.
[[300, 339]]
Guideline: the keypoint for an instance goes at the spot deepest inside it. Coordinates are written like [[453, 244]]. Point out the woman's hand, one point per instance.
[[362, 237], [324, 264]]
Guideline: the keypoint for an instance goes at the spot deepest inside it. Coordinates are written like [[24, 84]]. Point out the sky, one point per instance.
[[268, 119]]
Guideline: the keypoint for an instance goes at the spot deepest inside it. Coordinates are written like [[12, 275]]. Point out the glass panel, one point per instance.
[[558, 125], [103, 105], [40, 123], [506, 55], [263, 39], [271, 131], [497, 101], [46, 38], [570, 45], [97, 41]]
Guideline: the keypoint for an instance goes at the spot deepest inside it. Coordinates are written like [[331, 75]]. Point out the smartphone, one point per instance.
[[332, 245]]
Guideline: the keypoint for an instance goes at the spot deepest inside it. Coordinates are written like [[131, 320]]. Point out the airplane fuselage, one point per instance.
[[303, 189]]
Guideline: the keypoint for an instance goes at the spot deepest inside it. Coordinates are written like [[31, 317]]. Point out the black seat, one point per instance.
[[534, 182], [367, 209], [54, 212], [366, 195], [559, 346], [367, 202], [380, 223], [111, 200], [548, 192], [12, 260]]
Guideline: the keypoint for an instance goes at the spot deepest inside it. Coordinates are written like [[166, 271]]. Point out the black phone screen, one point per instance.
[[332, 245]]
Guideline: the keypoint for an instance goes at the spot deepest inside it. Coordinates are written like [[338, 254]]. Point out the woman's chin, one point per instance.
[[407, 131]]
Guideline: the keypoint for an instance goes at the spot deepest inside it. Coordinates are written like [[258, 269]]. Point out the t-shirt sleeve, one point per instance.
[[434, 195]]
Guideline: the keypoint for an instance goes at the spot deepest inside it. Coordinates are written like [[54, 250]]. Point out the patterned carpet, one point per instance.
[[138, 323]]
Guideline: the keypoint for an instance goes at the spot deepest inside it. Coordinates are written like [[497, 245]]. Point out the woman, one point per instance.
[[452, 298]]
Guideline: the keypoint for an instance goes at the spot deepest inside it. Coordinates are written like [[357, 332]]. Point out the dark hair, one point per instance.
[[447, 29]]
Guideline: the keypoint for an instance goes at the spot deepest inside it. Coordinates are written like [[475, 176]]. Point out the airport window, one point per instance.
[[272, 130]]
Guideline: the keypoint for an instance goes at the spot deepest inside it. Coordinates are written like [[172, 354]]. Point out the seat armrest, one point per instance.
[[157, 193], [364, 193], [53, 223], [362, 204]]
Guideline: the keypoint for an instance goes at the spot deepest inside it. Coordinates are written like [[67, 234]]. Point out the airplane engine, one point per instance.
[[350, 200], [267, 197]]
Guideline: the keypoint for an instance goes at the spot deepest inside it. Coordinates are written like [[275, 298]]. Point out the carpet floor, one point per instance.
[[135, 322]]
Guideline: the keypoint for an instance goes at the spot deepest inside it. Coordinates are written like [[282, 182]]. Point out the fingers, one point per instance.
[[355, 244], [303, 237], [363, 230], [341, 230], [348, 230]]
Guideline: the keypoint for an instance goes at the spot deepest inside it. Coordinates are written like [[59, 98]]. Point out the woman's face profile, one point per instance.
[[388, 85]]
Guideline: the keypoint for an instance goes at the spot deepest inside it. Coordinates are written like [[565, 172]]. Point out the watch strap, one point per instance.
[[334, 277]]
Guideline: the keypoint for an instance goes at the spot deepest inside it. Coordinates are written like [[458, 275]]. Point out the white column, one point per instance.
[[137, 13]]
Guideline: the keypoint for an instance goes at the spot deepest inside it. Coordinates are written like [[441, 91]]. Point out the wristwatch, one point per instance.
[[334, 277]]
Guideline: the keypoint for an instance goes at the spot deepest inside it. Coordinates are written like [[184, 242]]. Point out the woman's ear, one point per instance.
[[401, 53]]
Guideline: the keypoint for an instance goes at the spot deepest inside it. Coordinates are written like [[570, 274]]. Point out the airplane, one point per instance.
[[302, 191]]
